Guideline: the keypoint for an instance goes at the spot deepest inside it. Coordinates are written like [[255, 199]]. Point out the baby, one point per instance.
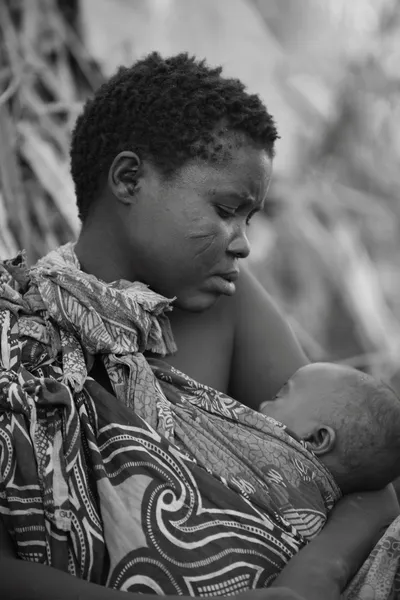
[[348, 419]]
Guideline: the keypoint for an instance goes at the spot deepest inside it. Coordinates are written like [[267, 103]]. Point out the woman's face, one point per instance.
[[186, 236]]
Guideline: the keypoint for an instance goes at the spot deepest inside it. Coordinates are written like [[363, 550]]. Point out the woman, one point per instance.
[[170, 161]]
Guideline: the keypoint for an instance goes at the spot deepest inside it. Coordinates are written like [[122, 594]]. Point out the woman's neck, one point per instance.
[[100, 255]]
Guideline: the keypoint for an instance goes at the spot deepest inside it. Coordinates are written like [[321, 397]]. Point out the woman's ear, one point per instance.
[[322, 440], [124, 175]]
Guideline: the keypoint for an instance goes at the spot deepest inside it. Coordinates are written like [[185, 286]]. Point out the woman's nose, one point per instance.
[[239, 246]]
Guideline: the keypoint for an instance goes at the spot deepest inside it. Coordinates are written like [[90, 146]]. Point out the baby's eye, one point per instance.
[[225, 212]]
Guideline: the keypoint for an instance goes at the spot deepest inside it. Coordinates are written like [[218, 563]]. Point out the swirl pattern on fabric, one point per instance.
[[166, 487], [86, 484]]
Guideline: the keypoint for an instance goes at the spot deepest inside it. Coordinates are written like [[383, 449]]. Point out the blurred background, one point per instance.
[[328, 246]]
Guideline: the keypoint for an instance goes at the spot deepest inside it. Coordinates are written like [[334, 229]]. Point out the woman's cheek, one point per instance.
[[219, 242]]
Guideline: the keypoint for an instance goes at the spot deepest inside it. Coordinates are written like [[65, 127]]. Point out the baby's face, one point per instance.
[[297, 403]]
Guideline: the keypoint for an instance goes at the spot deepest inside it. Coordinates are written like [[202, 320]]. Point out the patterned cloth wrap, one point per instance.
[[166, 487]]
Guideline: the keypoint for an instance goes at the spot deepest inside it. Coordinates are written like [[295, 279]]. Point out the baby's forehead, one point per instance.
[[326, 370], [329, 375]]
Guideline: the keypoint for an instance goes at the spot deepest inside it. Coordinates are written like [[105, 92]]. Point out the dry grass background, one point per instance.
[[45, 74], [328, 248]]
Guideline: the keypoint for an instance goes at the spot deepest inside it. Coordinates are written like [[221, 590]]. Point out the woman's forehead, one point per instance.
[[246, 170]]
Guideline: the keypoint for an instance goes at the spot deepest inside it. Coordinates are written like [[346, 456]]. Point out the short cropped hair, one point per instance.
[[366, 418], [166, 110]]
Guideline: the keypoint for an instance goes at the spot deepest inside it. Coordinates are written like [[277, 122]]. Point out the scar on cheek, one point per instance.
[[206, 243], [196, 235]]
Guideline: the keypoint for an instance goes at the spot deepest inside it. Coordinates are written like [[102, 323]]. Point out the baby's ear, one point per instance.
[[321, 440]]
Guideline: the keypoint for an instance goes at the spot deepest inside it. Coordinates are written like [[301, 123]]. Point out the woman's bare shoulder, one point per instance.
[[265, 351]]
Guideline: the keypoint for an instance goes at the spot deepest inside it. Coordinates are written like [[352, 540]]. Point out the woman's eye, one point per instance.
[[251, 215], [225, 212]]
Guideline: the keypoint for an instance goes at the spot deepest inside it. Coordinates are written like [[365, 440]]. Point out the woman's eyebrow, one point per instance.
[[244, 200], [243, 197]]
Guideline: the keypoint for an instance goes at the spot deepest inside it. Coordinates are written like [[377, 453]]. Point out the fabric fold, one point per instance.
[[166, 486]]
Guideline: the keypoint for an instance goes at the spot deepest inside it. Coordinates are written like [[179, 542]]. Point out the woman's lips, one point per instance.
[[224, 283], [230, 275]]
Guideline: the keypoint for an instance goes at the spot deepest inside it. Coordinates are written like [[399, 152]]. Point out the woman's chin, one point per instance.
[[196, 302]]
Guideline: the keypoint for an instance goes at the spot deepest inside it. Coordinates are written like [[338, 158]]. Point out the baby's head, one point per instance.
[[349, 420]]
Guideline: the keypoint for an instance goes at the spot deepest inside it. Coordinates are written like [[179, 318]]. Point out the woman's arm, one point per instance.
[[30, 581], [327, 564]]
